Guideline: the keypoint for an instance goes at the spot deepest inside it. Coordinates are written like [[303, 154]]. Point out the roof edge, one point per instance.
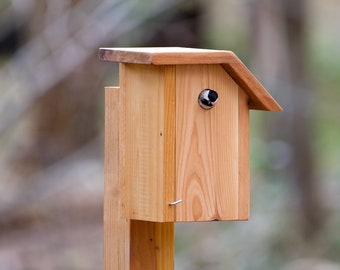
[[165, 55], [259, 98], [122, 55]]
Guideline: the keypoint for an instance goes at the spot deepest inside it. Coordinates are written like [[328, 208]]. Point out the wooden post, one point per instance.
[[128, 244], [116, 228]]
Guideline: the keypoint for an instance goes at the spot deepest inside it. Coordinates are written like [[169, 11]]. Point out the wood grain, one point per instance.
[[146, 130], [152, 245], [116, 229], [206, 145], [125, 201], [243, 155], [128, 244]]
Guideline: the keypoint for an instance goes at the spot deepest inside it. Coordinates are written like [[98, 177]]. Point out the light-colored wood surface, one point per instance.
[[174, 150], [128, 244], [149, 174], [144, 145], [206, 145], [169, 139], [260, 99], [116, 229], [243, 156], [124, 187], [152, 245], [165, 56]]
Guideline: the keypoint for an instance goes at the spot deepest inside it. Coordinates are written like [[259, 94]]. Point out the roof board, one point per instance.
[[259, 98]]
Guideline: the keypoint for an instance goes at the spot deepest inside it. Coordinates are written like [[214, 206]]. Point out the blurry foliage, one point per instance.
[[325, 59], [53, 210]]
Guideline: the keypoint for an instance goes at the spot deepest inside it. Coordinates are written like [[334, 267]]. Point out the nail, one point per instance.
[[175, 202]]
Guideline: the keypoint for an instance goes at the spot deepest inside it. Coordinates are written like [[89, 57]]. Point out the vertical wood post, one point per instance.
[[128, 244], [116, 228]]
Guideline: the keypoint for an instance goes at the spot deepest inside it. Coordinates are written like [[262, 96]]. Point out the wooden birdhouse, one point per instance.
[[176, 148], [184, 132]]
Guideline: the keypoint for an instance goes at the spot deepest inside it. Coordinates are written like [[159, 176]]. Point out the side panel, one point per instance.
[[145, 87], [243, 152], [169, 137]]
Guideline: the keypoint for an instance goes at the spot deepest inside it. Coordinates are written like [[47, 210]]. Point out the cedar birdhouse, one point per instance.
[[184, 133]]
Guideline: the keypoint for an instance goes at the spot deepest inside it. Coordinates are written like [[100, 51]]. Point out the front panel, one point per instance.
[[206, 145]]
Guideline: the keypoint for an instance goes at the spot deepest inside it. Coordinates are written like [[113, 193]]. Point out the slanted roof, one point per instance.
[[259, 98]]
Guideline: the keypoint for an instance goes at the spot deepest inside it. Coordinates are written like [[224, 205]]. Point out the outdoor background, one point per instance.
[[51, 128]]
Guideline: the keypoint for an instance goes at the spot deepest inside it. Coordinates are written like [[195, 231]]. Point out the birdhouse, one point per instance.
[[184, 133]]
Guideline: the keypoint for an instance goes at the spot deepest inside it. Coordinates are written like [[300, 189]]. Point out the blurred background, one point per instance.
[[51, 128]]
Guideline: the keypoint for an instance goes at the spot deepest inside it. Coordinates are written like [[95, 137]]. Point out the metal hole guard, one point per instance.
[[175, 202], [207, 99]]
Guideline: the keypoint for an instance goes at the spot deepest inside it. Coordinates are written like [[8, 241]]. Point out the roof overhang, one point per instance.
[[259, 98]]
